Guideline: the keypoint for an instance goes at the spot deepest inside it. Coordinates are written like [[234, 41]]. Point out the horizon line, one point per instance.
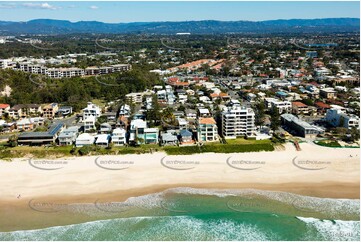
[[164, 21]]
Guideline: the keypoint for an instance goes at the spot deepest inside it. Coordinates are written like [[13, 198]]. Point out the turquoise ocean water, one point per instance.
[[206, 214]]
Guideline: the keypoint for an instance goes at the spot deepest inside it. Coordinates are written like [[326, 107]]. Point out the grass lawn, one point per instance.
[[232, 146], [328, 143], [99, 102]]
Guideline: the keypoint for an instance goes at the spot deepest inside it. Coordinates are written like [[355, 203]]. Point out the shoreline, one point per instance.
[[314, 171], [20, 215]]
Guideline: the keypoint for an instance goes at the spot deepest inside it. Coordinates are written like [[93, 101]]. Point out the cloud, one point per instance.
[[7, 5], [93, 7], [40, 6]]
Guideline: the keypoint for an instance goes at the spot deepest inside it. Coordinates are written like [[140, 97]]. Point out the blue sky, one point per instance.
[[115, 12]]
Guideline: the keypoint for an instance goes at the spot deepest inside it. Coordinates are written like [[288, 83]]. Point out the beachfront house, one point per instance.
[[119, 137], [68, 136], [103, 140], [186, 136], [169, 138], [84, 139], [141, 134]]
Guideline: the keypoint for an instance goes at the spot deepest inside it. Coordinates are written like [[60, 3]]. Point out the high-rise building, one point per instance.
[[237, 121]]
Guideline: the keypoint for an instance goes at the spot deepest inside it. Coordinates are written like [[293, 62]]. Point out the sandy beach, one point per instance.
[[314, 171]]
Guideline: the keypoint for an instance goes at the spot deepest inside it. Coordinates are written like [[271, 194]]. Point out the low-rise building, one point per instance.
[[84, 139], [25, 124], [41, 138], [4, 108], [328, 93], [135, 97], [68, 136], [281, 106], [103, 140], [299, 127], [299, 108]]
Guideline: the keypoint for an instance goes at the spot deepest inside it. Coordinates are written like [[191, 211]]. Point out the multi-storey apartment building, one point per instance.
[[237, 121], [91, 110], [24, 110], [89, 123], [207, 130], [134, 97], [337, 117], [50, 110], [66, 72]]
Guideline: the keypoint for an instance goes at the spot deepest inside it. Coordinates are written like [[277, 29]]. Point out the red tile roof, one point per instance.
[[299, 104], [322, 105], [3, 105], [207, 121]]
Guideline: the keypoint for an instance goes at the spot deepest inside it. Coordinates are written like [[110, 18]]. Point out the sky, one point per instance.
[[123, 12]]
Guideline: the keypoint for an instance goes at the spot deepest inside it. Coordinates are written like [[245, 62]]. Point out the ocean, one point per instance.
[[205, 214]]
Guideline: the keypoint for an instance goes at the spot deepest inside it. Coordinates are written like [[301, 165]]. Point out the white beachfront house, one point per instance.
[[118, 137], [68, 136], [84, 139], [141, 134], [103, 140]]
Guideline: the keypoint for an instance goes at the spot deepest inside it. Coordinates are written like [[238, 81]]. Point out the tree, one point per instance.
[[275, 119], [260, 113], [13, 141]]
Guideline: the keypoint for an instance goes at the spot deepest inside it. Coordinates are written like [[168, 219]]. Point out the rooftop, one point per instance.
[[207, 121]]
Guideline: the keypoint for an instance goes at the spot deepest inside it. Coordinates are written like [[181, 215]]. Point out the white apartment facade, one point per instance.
[[336, 118], [118, 137], [237, 121], [91, 110]]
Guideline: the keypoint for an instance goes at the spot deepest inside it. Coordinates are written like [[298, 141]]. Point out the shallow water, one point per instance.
[[206, 214]]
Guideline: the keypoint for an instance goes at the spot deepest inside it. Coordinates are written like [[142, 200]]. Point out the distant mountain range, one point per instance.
[[49, 26]]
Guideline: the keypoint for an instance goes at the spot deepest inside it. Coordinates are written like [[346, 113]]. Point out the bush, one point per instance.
[[84, 150], [328, 143], [218, 148]]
